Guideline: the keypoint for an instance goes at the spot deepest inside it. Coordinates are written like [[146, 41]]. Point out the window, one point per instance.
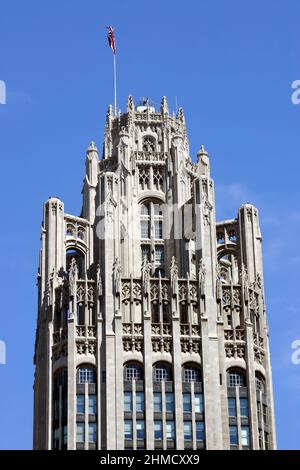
[[127, 401], [151, 223], [140, 401], [187, 430], [245, 436], [145, 209], [145, 229], [157, 403], [198, 403], [260, 383], [133, 372], [92, 404], [231, 407], [158, 430], [86, 375], [170, 402], [191, 374], [233, 435], [159, 255], [244, 407], [183, 312], [145, 251], [200, 431], [187, 402], [267, 441], [93, 432], [80, 404], [158, 229], [162, 373], [60, 379], [258, 412], [140, 429], [170, 430], [56, 409], [80, 433], [155, 313], [65, 435], [265, 414], [236, 378], [56, 435], [260, 439], [128, 429]]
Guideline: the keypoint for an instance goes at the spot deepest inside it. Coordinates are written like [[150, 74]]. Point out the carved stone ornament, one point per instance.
[[99, 281], [146, 271], [174, 275], [117, 276], [202, 276], [73, 277]]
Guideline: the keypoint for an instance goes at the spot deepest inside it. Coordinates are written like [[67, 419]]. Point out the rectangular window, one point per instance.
[[158, 430], [200, 431], [265, 414], [260, 439], [93, 432], [231, 407], [187, 430], [170, 402], [157, 402], [245, 436], [127, 401], [140, 402], [187, 402], [56, 409], [145, 229], [170, 430], [198, 403], [267, 441], [244, 407], [128, 429], [92, 404], [158, 226], [80, 404], [140, 429], [159, 255], [233, 435], [80, 433], [56, 438], [65, 435], [259, 412]]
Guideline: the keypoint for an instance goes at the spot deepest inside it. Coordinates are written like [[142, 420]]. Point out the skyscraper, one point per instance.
[[152, 330]]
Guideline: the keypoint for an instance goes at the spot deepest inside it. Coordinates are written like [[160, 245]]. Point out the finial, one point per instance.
[[164, 108], [130, 104], [181, 115], [92, 147], [202, 151]]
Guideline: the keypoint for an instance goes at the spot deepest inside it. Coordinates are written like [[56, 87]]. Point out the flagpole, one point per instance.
[[115, 83]]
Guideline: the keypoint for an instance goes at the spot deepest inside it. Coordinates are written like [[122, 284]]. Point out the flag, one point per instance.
[[111, 38]]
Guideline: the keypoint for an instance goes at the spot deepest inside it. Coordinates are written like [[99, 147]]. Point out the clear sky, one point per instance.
[[230, 64]]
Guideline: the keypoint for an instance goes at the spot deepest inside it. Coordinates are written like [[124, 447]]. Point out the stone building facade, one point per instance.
[[151, 330]]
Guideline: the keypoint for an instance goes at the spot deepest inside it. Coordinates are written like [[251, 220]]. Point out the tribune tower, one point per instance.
[[152, 330]]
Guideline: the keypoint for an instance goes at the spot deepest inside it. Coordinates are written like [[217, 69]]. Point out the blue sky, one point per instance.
[[230, 64]]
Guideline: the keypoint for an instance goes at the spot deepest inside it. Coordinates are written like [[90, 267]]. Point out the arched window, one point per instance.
[[236, 378], [73, 253], [152, 241], [162, 373], [191, 373], [86, 374], [133, 371]]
